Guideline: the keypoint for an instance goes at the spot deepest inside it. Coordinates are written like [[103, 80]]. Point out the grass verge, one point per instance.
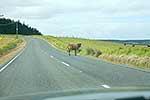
[[138, 56], [9, 47]]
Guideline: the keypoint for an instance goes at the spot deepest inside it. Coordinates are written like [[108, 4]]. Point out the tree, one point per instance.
[[8, 26]]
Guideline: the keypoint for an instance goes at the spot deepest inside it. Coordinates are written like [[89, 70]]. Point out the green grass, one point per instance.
[[138, 56], [104, 47], [7, 44]]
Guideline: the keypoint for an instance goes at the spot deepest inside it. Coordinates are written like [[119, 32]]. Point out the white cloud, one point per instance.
[[102, 18]]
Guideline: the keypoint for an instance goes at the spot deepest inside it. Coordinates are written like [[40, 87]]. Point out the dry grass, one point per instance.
[[8, 55], [4, 41], [141, 62]]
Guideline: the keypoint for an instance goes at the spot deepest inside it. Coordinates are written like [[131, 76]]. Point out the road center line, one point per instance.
[[60, 61], [52, 56], [106, 86], [65, 64], [11, 61]]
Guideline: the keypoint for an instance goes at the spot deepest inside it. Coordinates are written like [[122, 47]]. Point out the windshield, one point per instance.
[[63, 45]]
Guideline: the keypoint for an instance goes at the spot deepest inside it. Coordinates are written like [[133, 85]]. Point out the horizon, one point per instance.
[[97, 38], [97, 19]]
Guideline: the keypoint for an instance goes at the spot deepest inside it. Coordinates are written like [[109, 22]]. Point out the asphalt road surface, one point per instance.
[[41, 68]]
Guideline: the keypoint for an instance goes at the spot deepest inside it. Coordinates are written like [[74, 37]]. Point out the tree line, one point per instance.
[[8, 26]]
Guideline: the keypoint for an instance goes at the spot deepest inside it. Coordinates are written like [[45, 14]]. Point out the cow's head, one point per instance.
[[79, 45]]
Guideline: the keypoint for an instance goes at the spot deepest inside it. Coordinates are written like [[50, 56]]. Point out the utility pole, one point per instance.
[[17, 28]]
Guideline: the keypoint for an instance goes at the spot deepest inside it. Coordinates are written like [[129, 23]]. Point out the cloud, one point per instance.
[[20, 3], [103, 18], [48, 8]]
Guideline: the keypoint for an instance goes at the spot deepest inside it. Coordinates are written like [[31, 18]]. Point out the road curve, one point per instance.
[[42, 68]]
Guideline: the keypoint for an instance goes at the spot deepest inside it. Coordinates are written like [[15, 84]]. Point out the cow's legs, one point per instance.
[[75, 51], [69, 52]]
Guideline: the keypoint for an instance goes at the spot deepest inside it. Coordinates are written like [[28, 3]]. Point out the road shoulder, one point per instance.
[[11, 54]]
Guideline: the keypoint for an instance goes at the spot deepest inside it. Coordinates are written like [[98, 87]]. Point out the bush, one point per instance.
[[90, 51], [98, 53], [79, 50]]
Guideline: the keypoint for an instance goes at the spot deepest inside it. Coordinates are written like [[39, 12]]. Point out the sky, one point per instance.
[[96, 19]]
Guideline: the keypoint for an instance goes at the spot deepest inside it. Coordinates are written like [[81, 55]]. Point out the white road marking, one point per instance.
[[52, 56], [57, 60], [65, 64], [60, 61], [51, 44], [106, 86], [11, 61]]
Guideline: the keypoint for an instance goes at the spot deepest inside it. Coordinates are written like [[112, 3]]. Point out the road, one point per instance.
[[42, 68]]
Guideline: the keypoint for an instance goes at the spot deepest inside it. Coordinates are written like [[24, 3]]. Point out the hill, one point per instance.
[[137, 42], [138, 55]]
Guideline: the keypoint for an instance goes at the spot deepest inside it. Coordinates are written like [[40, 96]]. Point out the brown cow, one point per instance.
[[74, 47]]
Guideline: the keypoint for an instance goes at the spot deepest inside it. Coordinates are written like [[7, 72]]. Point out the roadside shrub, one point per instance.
[[98, 53], [90, 51], [79, 50]]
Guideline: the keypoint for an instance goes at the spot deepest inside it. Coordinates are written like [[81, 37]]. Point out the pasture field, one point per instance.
[[115, 52]]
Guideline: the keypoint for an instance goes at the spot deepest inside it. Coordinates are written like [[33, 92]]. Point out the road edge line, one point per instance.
[[105, 86], [13, 59]]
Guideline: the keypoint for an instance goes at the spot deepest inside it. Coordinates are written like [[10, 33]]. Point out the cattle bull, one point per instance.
[[74, 47]]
